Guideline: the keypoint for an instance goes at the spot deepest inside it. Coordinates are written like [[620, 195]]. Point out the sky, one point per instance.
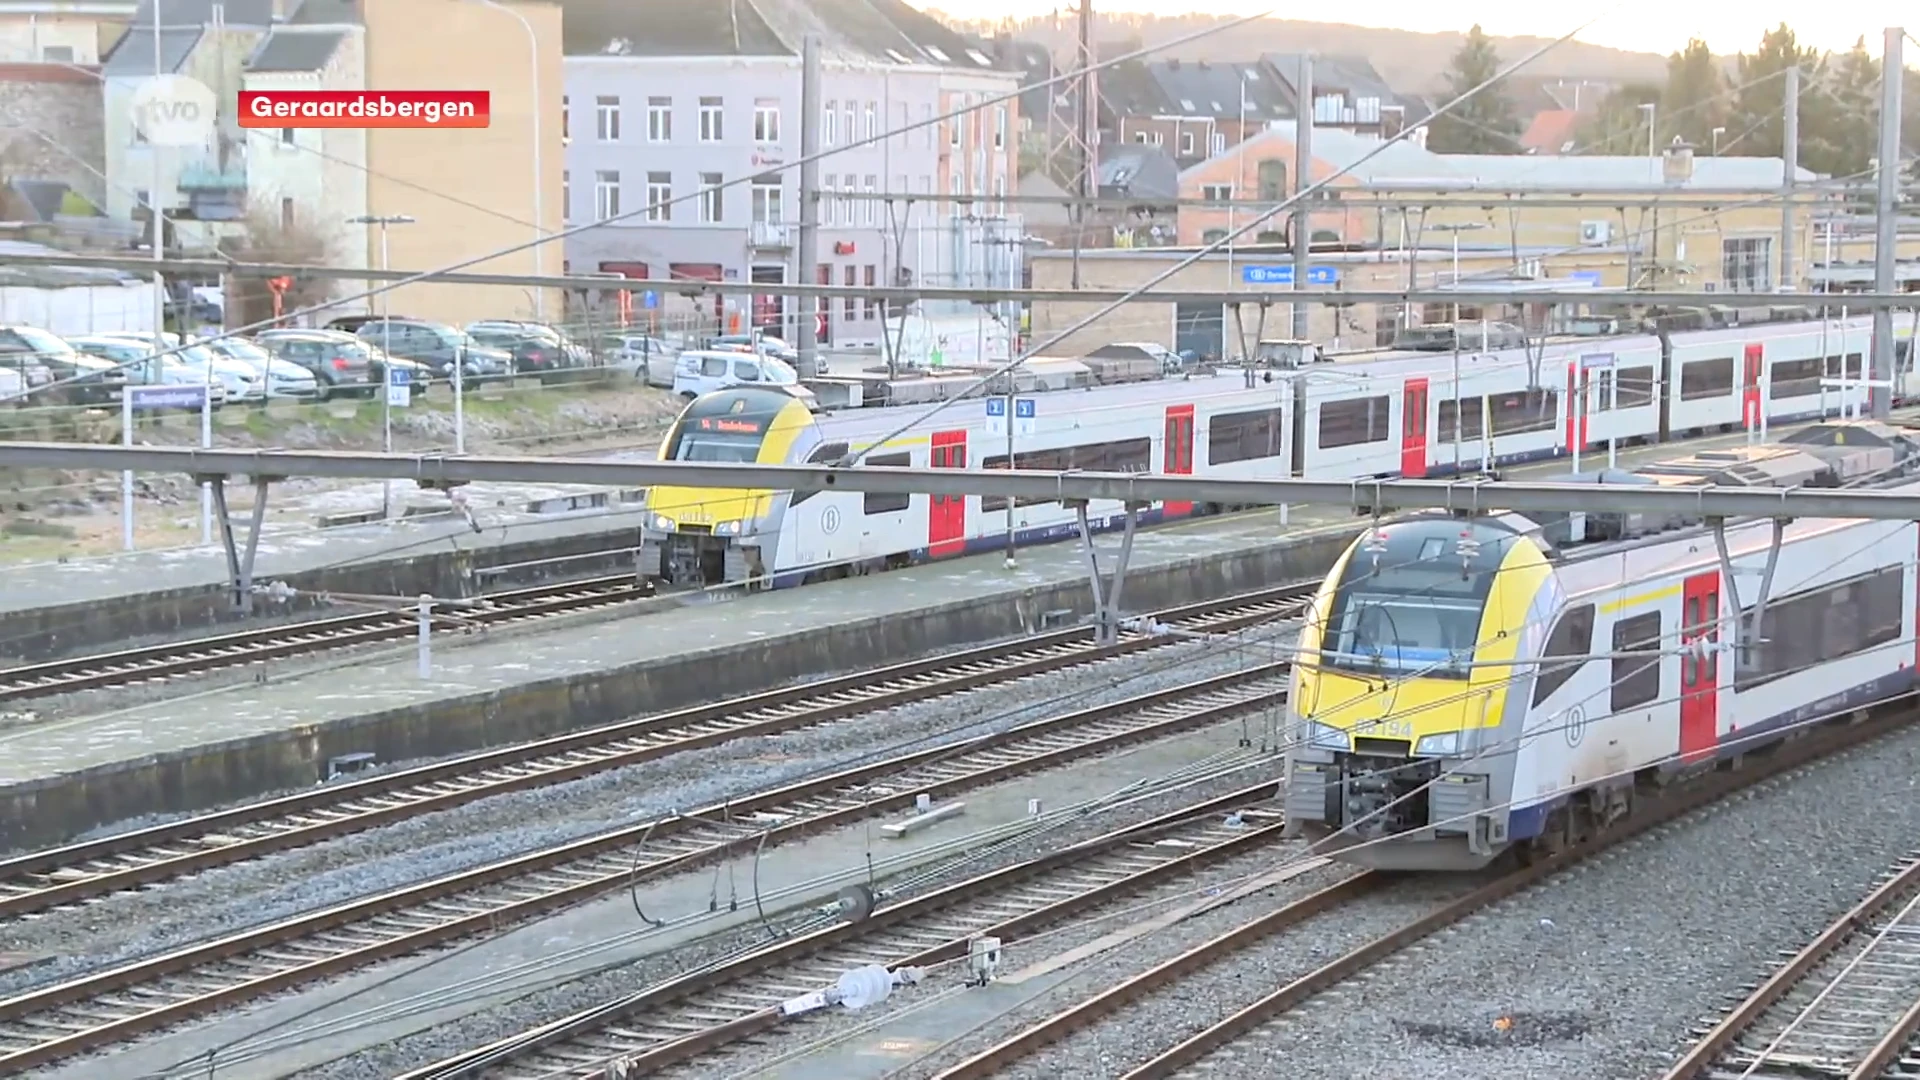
[[1639, 25]]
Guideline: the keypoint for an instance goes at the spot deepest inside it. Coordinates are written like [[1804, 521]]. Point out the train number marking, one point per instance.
[[1391, 729]]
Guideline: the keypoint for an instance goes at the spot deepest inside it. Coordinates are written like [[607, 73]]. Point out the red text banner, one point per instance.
[[365, 109]]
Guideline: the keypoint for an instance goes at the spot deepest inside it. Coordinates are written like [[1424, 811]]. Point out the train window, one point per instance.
[[1243, 436], [1706, 379], [1636, 661], [1468, 430], [824, 454], [1853, 370], [1350, 423], [876, 503], [1636, 386], [1524, 410], [1572, 638], [1824, 624], [1126, 455], [1600, 391], [1797, 378]]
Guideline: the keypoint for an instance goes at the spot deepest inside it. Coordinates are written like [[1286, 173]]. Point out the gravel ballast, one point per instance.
[[1601, 972], [231, 899]]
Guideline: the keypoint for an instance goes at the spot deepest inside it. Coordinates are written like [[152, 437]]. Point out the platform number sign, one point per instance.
[[1025, 415], [399, 387]]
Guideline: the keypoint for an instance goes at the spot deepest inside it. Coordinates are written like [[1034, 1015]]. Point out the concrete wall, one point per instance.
[[459, 45], [57, 111], [52, 811], [57, 38]]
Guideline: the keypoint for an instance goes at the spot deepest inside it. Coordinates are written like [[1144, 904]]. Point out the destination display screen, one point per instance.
[[731, 425]]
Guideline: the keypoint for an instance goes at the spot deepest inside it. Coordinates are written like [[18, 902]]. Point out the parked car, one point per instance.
[[81, 379], [135, 357], [242, 382], [644, 357], [340, 362], [766, 344], [284, 379], [704, 371], [434, 344], [13, 388], [536, 348]]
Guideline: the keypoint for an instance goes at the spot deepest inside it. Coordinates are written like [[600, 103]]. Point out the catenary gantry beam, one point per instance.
[[1362, 495], [1856, 302]]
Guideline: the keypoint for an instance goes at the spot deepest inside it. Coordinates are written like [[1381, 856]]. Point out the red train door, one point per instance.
[[1177, 452], [1699, 670], [1576, 416], [1750, 387], [947, 514], [1413, 430]]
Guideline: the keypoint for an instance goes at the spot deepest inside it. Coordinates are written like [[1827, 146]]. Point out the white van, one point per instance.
[[703, 372]]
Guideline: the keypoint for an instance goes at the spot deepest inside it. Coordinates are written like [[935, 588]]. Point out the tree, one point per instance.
[[1618, 127], [1847, 138], [1755, 124], [266, 238], [1694, 101], [1484, 123]]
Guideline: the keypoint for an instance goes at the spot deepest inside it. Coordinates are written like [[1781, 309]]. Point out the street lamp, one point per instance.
[[1652, 109], [1717, 132], [1455, 230], [539, 176], [386, 344]]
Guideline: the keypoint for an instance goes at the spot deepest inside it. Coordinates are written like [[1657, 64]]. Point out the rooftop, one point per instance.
[[884, 31], [295, 49], [53, 277]]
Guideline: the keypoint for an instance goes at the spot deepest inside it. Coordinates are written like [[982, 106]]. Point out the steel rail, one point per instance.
[[150, 663], [79, 872], [1707, 790], [56, 1022], [1738, 1043], [929, 929]]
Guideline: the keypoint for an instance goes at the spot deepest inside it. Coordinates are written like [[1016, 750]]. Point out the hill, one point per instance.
[[1411, 62]]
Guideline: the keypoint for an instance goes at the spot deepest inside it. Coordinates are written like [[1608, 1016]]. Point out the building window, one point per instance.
[[287, 137], [566, 195], [710, 196], [659, 119], [1186, 144], [659, 196], [606, 194], [286, 214], [1217, 144], [767, 202], [1140, 137], [1745, 263], [928, 130], [1000, 127], [830, 123], [766, 120], [852, 280], [829, 202], [871, 304], [606, 118], [901, 125], [999, 194], [958, 124], [1272, 177], [847, 204], [1217, 192], [566, 118], [870, 208], [711, 116], [873, 120], [56, 54]]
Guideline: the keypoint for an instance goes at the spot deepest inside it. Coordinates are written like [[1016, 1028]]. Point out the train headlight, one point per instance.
[[1437, 745], [729, 528], [663, 523], [1325, 736]]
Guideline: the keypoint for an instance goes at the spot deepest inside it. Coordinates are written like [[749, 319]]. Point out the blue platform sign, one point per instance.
[[1024, 415], [182, 396], [399, 387], [1283, 275], [649, 299]]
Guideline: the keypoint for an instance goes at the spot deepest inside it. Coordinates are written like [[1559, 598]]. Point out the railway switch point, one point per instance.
[[902, 829]]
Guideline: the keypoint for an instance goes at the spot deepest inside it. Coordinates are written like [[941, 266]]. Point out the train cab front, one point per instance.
[[1399, 707], [694, 537]]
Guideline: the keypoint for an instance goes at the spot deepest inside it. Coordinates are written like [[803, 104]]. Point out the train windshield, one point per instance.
[[736, 449], [1411, 606]]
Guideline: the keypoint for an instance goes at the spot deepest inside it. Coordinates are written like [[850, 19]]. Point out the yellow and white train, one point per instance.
[[1469, 685]]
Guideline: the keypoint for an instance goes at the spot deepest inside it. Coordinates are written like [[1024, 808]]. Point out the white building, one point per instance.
[[665, 111], [59, 31]]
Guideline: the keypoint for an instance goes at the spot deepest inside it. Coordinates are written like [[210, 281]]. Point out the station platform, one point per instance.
[[59, 778]]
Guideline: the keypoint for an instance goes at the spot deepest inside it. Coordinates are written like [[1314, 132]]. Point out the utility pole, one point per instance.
[[1791, 148], [1087, 134], [1302, 173], [1892, 68], [806, 253], [159, 220]]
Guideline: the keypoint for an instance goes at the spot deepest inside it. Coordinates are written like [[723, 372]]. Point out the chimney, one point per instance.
[[1677, 163]]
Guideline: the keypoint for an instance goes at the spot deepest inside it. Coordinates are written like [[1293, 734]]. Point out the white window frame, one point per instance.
[[712, 199], [769, 203], [829, 202], [830, 123], [713, 119], [606, 194], [566, 195], [659, 119], [766, 120], [870, 209], [1186, 143], [959, 122], [1000, 127], [659, 191], [606, 117], [873, 120]]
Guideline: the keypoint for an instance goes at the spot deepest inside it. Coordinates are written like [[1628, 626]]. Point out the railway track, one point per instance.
[[1212, 1051], [693, 1021], [1847, 1005], [158, 663], [58, 1021], [81, 872]]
